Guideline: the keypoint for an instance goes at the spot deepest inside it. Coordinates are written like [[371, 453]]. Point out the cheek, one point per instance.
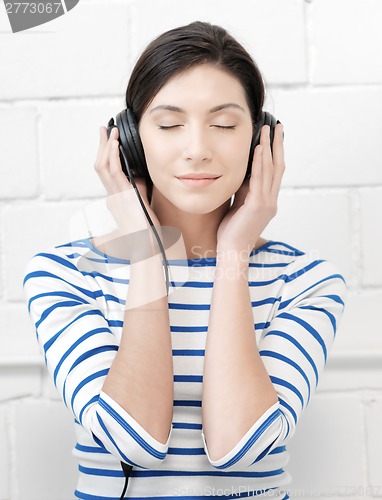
[[157, 156], [238, 167]]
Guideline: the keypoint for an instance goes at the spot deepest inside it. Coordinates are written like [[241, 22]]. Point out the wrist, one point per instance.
[[232, 264], [232, 254]]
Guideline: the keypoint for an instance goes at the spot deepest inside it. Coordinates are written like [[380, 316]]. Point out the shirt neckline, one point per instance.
[[202, 261]]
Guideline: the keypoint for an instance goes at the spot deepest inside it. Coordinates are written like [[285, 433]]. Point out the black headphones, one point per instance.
[[131, 144], [134, 164]]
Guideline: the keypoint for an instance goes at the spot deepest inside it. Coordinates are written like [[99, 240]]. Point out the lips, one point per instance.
[[198, 180], [199, 176]]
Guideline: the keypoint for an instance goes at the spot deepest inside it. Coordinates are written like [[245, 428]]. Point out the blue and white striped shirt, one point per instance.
[[76, 299]]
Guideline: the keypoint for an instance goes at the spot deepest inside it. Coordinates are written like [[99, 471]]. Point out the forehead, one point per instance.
[[205, 84]]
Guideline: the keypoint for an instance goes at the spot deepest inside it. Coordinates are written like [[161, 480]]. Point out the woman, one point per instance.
[[197, 390]]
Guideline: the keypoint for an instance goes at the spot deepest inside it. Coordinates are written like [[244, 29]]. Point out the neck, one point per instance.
[[199, 231]]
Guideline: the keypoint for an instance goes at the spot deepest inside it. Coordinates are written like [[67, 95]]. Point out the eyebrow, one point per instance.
[[168, 107]]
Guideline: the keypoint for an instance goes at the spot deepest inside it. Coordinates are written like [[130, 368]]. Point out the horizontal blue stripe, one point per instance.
[[335, 298], [262, 326], [184, 402], [268, 266], [294, 251], [113, 298], [290, 409], [188, 378], [299, 347], [115, 322], [251, 441], [112, 440], [193, 329], [185, 425], [90, 378], [285, 303], [45, 274], [45, 314], [210, 473], [92, 352], [264, 453], [188, 352], [288, 385], [190, 307], [93, 400], [279, 449], [131, 431], [59, 260], [100, 472], [328, 314], [91, 449], [285, 359], [57, 293], [287, 278], [270, 300], [186, 451], [193, 284], [75, 345], [307, 327], [50, 342]]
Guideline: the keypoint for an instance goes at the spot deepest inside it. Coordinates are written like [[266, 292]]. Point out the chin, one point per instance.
[[196, 203], [198, 206]]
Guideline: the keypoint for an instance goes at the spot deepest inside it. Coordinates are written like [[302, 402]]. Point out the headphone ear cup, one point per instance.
[[265, 119], [272, 122], [255, 141], [131, 144], [250, 159]]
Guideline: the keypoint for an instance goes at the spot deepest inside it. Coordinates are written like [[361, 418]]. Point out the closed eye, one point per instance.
[[170, 127], [226, 127]]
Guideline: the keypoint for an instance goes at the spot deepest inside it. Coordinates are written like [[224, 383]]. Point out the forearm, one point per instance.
[[141, 376], [236, 387]]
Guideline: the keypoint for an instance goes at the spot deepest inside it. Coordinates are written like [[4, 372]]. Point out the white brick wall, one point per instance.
[[59, 82]]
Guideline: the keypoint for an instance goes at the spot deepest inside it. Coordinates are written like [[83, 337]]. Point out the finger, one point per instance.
[[102, 165], [267, 158], [102, 142], [256, 178], [278, 159], [118, 180]]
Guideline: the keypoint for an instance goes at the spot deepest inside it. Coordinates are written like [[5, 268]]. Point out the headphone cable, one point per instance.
[[164, 262]]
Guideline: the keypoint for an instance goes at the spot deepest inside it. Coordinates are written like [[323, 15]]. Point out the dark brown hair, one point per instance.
[[181, 48]]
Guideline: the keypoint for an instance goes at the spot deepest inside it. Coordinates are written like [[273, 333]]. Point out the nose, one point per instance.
[[197, 147]]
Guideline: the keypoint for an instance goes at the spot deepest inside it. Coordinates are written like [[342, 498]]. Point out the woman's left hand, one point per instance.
[[255, 203]]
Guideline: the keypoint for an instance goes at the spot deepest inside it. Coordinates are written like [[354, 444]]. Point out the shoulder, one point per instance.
[[63, 254], [61, 261], [299, 270]]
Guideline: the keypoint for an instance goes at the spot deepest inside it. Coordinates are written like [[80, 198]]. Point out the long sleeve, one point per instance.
[[294, 346], [79, 345]]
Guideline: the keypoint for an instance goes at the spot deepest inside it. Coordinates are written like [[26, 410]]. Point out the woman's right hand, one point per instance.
[[122, 201]]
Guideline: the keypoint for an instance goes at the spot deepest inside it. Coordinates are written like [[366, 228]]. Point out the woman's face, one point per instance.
[[198, 124]]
